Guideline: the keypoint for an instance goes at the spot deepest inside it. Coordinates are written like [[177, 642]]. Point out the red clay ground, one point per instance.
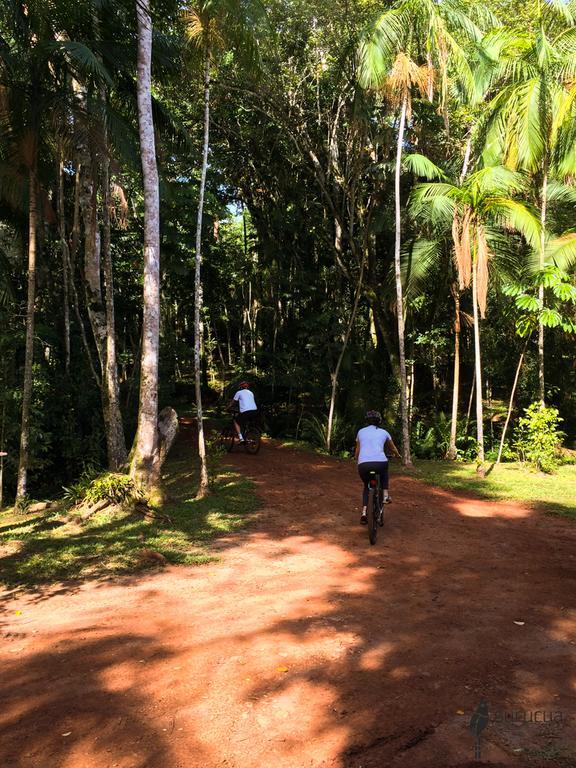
[[304, 646]]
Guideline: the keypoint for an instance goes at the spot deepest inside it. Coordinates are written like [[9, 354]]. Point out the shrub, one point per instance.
[[537, 437], [315, 429], [111, 486]]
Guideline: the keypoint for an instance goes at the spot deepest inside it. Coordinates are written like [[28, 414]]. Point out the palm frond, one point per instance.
[[422, 166], [418, 264], [562, 251], [517, 216]]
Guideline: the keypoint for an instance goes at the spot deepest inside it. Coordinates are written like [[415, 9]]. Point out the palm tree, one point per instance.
[[531, 117], [145, 459], [477, 211], [414, 29]]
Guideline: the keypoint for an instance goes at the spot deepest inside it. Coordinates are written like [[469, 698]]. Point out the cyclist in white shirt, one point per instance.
[[244, 401], [371, 442]]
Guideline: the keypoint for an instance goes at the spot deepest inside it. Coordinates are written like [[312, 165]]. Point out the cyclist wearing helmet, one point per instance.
[[371, 442], [244, 402]]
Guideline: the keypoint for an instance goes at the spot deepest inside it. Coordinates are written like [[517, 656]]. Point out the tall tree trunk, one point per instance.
[[478, 369], [145, 459], [22, 483], [451, 452], [340, 358], [511, 403], [406, 455], [65, 261], [100, 313], [543, 210], [117, 454], [2, 431], [198, 329]]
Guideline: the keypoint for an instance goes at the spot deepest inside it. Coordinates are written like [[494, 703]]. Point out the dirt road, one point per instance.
[[304, 646]]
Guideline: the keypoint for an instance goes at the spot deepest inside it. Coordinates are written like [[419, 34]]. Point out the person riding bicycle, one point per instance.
[[244, 403], [371, 442]]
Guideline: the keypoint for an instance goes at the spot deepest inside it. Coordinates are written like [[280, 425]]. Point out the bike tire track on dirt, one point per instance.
[[304, 646]]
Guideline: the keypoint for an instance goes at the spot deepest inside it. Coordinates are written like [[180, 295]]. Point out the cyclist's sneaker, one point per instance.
[[388, 500], [364, 518]]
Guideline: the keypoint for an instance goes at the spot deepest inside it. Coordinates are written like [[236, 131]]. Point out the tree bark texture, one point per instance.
[[116, 441], [145, 464], [543, 211], [65, 262], [452, 453], [21, 487], [198, 327], [406, 454], [478, 370]]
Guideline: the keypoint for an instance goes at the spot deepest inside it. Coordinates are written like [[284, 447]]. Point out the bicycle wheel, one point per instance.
[[252, 440], [227, 439], [372, 512]]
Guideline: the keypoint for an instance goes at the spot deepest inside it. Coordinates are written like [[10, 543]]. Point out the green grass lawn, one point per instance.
[[552, 493], [54, 545]]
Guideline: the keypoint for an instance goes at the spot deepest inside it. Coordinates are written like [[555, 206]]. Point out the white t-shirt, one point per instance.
[[245, 400], [372, 440]]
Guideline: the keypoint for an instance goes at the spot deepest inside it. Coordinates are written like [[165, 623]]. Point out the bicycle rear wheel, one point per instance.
[[372, 512], [252, 441]]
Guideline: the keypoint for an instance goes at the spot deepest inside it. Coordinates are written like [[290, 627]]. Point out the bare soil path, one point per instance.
[[304, 646]]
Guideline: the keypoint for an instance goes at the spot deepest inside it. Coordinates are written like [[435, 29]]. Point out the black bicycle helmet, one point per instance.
[[373, 417]]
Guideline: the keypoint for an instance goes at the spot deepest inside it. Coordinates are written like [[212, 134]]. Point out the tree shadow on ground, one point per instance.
[[80, 704], [308, 647]]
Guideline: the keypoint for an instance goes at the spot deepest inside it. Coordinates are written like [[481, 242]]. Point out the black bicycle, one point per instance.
[[375, 509], [252, 436]]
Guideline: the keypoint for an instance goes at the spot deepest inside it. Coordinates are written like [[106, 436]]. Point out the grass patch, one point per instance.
[[506, 482], [47, 547]]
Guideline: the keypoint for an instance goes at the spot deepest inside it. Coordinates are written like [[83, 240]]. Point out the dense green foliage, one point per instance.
[[299, 215], [538, 437]]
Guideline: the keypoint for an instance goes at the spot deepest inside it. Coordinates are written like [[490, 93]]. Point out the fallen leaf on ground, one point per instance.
[[519, 623], [460, 712], [281, 669], [68, 733]]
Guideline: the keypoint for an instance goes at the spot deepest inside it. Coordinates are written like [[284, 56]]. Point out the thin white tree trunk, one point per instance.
[[22, 483], [543, 210], [340, 358], [65, 261], [470, 400], [198, 328], [452, 453], [511, 403], [145, 460], [406, 455], [117, 455], [2, 431], [478, 369]]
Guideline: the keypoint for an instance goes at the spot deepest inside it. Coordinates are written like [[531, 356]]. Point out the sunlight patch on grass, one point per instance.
[[507, 482], [57, 545]]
